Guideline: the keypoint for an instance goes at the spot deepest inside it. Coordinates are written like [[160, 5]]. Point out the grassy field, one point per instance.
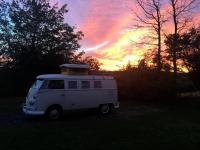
[[134, 126]]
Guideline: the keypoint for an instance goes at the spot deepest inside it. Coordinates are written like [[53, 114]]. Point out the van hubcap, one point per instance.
[[105, 109], [54, 114]]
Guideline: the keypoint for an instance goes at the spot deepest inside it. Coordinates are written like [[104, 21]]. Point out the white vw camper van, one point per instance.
[[52, 94]]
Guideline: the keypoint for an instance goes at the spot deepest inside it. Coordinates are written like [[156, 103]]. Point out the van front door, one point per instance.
[[53, 93]]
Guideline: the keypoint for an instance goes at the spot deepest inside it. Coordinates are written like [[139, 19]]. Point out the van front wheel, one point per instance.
[[105, 109], [54, 113]]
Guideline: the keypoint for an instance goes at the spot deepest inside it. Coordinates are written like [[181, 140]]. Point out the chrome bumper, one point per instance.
[[31, 111]]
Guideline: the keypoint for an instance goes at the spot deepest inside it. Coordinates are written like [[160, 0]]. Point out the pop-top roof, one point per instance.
[[83, 66], [86, 77]]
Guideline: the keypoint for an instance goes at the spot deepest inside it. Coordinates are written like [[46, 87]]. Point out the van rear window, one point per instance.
[[72, 85], [97, 84], [56, 84]]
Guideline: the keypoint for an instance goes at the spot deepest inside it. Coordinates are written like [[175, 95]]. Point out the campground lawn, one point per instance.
[[174, 125]]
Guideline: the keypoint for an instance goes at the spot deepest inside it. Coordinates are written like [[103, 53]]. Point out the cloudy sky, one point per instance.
[[106, 25]]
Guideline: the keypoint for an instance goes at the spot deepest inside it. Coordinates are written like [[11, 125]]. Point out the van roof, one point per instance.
[[62, 76]]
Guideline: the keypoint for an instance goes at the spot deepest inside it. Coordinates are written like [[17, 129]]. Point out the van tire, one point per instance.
[[105, 109], [54, 112]]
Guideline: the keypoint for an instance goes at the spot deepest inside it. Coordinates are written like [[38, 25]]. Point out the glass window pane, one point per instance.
[[56, 84], [72, 84], [85, 84]]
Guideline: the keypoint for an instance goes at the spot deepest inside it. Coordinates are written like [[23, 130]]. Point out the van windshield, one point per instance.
[[37, 84]]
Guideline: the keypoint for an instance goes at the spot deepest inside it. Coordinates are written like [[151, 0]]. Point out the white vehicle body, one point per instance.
[[70, 92]]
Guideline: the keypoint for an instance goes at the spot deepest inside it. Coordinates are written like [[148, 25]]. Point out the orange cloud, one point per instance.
[[122, 51]]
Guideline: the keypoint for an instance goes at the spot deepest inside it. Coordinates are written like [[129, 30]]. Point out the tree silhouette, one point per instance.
[[190, 52], [151, 18], [181, 16], [92, 62], [39, 37]]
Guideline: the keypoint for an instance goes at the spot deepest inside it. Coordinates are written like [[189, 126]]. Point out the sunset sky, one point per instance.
[[106, 25]]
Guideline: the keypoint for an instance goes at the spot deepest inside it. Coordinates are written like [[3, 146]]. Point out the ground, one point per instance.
[[174, 125]]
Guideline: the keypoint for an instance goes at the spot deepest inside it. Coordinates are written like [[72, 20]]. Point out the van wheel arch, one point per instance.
[[56, 108], [105, 109]]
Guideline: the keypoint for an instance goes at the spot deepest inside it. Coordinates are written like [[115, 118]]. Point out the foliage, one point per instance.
[[169, 41], [39, 39], [190, 49], [144, 84], [93, 63], [142, 64], [180, 12], [190, 52]]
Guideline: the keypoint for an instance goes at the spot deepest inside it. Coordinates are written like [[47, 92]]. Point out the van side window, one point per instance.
[[97, 84], [56, 84], [72, 84], [85, 84]]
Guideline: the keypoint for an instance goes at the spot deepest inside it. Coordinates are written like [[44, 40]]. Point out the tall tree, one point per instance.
[[180, 12], [41, 39], [153, 19]]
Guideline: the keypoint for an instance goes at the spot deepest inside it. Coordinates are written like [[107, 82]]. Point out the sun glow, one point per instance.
[[124, 50]]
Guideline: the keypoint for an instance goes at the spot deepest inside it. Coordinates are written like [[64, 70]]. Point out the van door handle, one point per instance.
[[62, 95]]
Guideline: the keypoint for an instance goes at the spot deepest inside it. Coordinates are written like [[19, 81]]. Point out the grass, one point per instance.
[[135, 126]]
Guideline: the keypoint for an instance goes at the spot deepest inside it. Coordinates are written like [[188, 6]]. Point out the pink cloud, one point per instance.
[[103, 20]]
